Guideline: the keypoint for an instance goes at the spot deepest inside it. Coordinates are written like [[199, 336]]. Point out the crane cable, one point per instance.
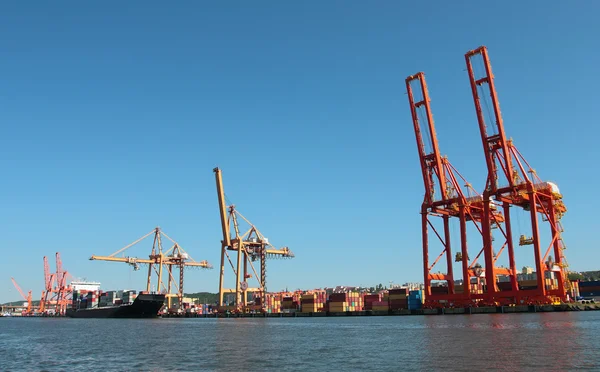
[[484, 97]]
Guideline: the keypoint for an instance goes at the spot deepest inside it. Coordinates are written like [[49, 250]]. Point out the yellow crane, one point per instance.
[[160, 263], [249, 247]]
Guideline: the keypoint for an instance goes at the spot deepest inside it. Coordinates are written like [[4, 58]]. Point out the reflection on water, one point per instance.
[[543, 341]]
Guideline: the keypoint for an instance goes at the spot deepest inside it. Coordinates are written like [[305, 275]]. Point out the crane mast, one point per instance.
[[249, 247], [431, 161], [508, 184], [222, 207], [432, 170]]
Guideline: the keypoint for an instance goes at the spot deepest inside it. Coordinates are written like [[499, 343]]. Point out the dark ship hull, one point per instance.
[[144, 306]]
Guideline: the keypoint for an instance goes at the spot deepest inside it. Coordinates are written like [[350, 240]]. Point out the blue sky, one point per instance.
[[114, 115]]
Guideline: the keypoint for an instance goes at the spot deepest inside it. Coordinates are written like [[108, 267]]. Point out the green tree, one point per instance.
[[575, 276]]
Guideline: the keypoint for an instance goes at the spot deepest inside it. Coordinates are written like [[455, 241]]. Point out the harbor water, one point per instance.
[[508, 342]]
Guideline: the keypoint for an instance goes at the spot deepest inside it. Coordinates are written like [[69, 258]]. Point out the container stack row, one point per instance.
[[575, 293], [415, 299], [371, 299], [398, 298], [349, 301], [90, 300], [589, 289], [273, 304], [129, 296], [290, 303], [313, 302], [199, 309], [380, 306], [108, 298]]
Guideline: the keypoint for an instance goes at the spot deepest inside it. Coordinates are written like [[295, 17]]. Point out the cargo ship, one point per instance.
[[90, 302], [145, 305]]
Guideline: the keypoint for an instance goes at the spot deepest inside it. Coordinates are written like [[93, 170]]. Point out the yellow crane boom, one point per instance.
[[157, 261]]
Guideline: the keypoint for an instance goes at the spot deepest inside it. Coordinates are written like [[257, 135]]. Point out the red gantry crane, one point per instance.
[[512, 182], [445, 199]]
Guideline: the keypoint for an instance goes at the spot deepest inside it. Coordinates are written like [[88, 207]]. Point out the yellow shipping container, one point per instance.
[[528, 283]]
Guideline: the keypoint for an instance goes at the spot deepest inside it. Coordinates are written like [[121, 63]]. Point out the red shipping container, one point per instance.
[[340, 297], [504, 286]]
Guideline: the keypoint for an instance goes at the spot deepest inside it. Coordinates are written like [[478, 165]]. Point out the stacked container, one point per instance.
[[575, 293], [350, 301], [439, 289], [380, 305], [589, 289], [398, 298], [313, 302], [83, 303], [550, 280], [92, 299], [355, 301], [338, 302], [528, 284], [415, 299], [107, 298], [321, 299], [309, 303], [369, 299], [288, 304], [75, 299], [128, 296], [477, 285], [273, 304]]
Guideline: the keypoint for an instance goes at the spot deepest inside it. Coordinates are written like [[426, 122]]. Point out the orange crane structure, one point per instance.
[[27, 298], [57, 292], [249, 247], [161, 263], [445, 199], [511, 182]]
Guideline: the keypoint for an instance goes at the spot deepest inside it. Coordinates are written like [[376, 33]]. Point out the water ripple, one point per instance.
[[559, 341]]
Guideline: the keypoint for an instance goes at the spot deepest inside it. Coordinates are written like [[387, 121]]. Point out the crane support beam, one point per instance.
[[431, 160], [497, 138], [222, 207], [165, 261], [233, 290]]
